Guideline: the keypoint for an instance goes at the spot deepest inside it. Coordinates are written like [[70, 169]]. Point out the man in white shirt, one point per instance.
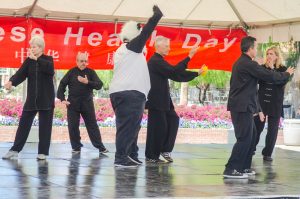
[[129, 87]]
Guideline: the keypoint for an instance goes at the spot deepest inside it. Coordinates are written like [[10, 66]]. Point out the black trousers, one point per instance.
[[128, 107], [245, 133], [271, 137], [45, 128], [162, 130], [87, 111]]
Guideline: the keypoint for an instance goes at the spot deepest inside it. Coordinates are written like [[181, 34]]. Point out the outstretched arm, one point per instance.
[[137, 44]]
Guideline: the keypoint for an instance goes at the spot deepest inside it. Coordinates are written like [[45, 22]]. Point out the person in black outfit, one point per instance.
[[163, 121], [81, 81], [270, 97], [39, 71], [129, 88], [242, 104]]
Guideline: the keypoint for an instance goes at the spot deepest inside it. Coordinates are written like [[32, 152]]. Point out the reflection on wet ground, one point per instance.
[[196, 172]]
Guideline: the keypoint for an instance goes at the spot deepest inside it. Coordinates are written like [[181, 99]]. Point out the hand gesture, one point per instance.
[[8, 85], [290, 70], [203, 70], [259, 60], [65, 102], [261, 116], [193, 51], [83, 80], [31, 55]]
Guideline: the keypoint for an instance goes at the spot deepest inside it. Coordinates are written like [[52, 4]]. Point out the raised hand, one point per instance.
[[65, 102], [290, 70], [157, 10], [193, 51], [31, 55], [83, 80], [8, 85], [261, 116]]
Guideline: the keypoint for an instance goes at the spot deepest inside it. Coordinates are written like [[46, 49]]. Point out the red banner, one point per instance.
[[219, 48]]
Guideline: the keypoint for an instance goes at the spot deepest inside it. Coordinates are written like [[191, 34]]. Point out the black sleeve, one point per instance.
[[21, 74], [283, 69], [95, 82], [184, 76], [167, 70], [46, 65], [62, 86], [259, 109], [264, 74], [137, 44]]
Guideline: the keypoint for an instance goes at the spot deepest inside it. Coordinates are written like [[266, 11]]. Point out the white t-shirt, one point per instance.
[[130, 72]]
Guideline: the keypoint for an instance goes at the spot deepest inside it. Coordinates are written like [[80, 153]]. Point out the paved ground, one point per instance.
[[196, 172]]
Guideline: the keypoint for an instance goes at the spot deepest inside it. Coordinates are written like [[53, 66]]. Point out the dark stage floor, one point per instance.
[[196, 172]]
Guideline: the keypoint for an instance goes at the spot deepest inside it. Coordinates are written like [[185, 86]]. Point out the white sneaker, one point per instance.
[[41, 157], [10, 155], [234, 174], [250, 172]]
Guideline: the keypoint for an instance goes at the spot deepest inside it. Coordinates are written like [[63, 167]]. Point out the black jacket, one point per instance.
[[243, 83], [78, 92], [160, 72], [271, 95], [40, 88]]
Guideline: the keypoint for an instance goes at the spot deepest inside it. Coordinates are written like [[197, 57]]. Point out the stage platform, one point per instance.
[[196, 172]]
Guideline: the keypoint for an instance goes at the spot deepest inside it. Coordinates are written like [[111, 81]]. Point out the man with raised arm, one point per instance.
[[129, 88]]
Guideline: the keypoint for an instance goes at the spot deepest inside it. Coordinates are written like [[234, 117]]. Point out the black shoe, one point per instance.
[[268, 158], [167, 156], [234, 174], [249, 172], [156, 161], [135, 160], [127, 164], [104, 150]]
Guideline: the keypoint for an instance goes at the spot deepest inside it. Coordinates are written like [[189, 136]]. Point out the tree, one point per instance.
[[106, 77], [213, 77]]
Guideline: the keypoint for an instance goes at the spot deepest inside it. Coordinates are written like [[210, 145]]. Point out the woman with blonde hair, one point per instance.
[[270, 98], [38, 69]]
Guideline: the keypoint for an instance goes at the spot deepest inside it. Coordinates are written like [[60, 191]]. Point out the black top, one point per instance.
[[271, 95], [78, 92], [40, 88], [137, 44], [160, 71], [243, 83]]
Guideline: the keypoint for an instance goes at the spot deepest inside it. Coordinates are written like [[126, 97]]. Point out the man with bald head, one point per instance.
[[81, 82], [163, 121]]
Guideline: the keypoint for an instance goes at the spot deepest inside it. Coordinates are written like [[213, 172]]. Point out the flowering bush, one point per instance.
[[190, 116], [203, 113], [11, 108]]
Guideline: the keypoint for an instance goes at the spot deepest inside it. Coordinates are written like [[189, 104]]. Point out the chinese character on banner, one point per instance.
[[110, 58], [54, 54], [22, 54]]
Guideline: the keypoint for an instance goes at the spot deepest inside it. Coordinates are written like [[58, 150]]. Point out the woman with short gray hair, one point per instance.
[[38, 69]]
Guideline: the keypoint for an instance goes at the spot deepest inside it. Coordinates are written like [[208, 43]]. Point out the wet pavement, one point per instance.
[[196, 172]]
